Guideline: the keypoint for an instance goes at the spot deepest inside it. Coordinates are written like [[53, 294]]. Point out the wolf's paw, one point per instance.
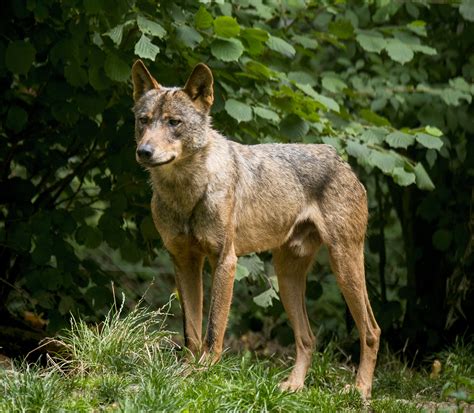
[[351, 388], [208, 359], [291, 385], [186, 369]]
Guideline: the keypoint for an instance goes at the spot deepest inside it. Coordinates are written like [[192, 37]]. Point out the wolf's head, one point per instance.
[[170, 123]]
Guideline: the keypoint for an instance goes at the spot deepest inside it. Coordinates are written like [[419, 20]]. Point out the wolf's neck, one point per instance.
[[182, 184]]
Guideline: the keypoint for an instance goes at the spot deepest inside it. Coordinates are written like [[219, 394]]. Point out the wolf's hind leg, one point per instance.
[[347, 262], [291, 269]]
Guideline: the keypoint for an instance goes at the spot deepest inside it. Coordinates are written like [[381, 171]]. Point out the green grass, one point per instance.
[[129, 364]]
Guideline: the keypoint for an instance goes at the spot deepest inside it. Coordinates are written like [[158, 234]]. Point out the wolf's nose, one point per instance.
[[145, 151]]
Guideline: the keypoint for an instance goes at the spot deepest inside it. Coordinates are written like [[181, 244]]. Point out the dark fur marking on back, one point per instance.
[[316, 179]]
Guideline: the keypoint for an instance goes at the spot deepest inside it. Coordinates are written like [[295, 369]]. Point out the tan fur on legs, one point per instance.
[[222, 288], [188, 268], [348, 266], [291, 271]]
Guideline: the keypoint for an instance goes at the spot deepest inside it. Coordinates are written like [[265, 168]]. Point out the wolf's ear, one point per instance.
[[199, 87], [143, 81]]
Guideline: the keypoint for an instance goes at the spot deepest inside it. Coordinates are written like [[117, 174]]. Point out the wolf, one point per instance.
[[217, 199]]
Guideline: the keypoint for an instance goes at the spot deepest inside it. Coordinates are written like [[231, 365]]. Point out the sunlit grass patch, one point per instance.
[[30, 388], [119, 344], [129, 363]]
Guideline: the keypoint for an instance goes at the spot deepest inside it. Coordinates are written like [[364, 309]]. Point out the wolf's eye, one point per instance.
[[174, 122], [143, 120]]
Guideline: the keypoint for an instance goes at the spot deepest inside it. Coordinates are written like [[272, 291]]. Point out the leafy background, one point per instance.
[[389, 84]]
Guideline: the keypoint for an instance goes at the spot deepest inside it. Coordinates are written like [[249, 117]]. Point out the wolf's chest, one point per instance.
[[200, 226]]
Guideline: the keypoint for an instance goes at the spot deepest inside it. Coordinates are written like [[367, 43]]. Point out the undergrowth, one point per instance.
[[129, 363]]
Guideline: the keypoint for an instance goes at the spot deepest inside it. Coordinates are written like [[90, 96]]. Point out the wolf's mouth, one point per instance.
[[152, 164]]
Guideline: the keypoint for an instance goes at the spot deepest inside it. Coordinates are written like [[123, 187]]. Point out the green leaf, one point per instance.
[[374, 118], [329, 140], [302, 77], [423, 181], [52, 279], [266, 113], [371, 41], [460, 83], [66, 304], [227, 50], [293, 127], [150, 27], [402, 177], [306, 42], [19, 56], [76, 75], [400, 140], [265, 299], [431, 156], [98, 296], [188, 36], [111, 229], [374, 135], [429, 141], [88, 236], [241, 272], [92, 6], [65, 112], [333, 84], [42, 252], [91, 104], [19, 237], [259, 70], [203, 19], [342, 29], [116, 34], [281, 46], [97, 78], [324, 100], [130, 252], [442, 239], [357, 150], [255, 33], [432, 130], [263, 11], [116, 69], [238, 110], [386, 10], [399, 51], [253, 263], [453, 97], [146, 49], [226, 26], [16, 119], [255, 40], [467, 10], [418, 27], [327, 101], [385, 161], [148, 229], [424, 49]]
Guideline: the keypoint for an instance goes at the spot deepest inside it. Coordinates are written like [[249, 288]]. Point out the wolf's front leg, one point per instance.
[[221, 298], [188, 272]]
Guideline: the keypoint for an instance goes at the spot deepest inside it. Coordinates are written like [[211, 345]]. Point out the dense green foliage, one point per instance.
[[389, 84], [129, 363]]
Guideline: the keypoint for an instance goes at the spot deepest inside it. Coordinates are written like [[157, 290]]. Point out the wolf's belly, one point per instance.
[[261, 229], [248, 240]]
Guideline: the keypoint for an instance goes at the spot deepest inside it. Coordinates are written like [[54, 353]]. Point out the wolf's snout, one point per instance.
[[145, 152]]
